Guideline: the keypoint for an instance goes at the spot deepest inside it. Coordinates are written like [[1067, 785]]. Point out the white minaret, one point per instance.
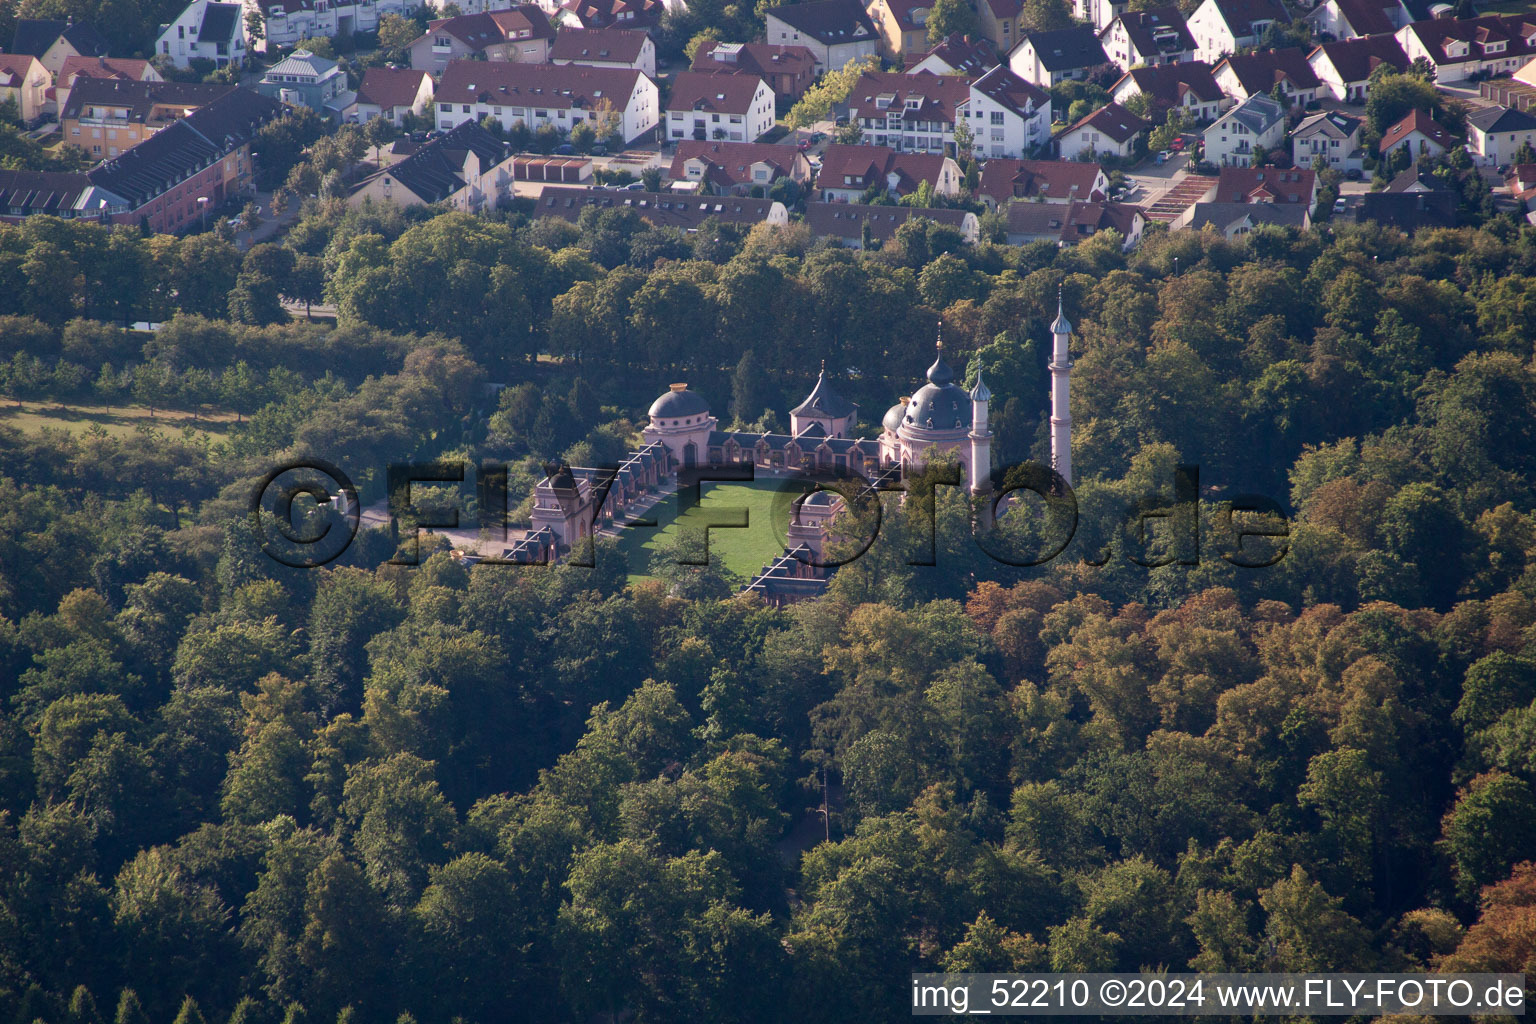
[[981, 438], [1061, 403]]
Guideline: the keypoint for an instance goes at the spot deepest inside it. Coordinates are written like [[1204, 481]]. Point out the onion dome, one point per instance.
[[980, 392], [940, 404], [894, 414]]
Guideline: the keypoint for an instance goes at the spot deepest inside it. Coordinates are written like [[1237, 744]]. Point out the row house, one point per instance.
[[723, 168], [1047, 58], [562, 95], [1188, 86], [466, 169], [1496, 134], [1333, 138], [122, 69], [286, 22], [719, 105], [854, 225], [1148, 39], [205, 30], [1041, 181], [605, 48], [1344, 68], [1109, 131], [902, 26], [639, 14], [848, 172], [788, 70], [1459, 48], [836, 32], [392, 93], [1257, 123], [1220, 27], [660, 209], [106, 116], [54, 41], [25, 82], [519, 34], [1243, 75], [909, 113]]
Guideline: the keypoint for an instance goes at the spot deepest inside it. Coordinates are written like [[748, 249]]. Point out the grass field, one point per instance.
[[744, 551], [117, 420]]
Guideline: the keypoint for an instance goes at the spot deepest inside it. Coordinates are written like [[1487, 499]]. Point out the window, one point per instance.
[[997, 117], [465, 107]]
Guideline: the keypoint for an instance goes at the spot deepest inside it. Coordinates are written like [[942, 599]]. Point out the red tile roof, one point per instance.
[[870, 165], [717, 92], [390, 87], [1262, 71], [127, 68], [1114, 121], [1264, 184], [732, 162], [620, 45], [1418, 121], [559, 86], [1355, 59], [757, 59], [933, 97], [1005, 179]]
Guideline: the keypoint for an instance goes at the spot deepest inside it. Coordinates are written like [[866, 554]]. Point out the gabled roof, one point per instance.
[[1418, 178], [1367, 17], [1003, 87], [1330, 123], [962, 54], [36, 36], [1065, 49], [601, 13], [556, 86], [1006, 179], [755, 59], [1159, 30], [827, 21], [1409, 211], [921, 97], [1167, 84], [1114, 121], [127, 68], [491, 28], [221, 23], [874, 165], [1513, 31], [55, 193], [1241, 15], [1417, 121], [1004, 9], [1262, 71], [717, 92], [618, 45], [732, 162], [659, 208], [1225, 216], [1258, 113], [14, 68], [847, 220], [1355, 59], [1501, 119], [1071, 223], [391, 87], [1264, 185], [435, 171], [139, 99]]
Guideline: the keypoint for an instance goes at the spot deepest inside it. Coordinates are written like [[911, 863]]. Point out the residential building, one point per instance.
[[1243, 75], [1234, 220], [1099, 13], [1331, 136], [836, 31], [788, 70], [1046, 58], [1255, 125], [1109, 131], [391, 93], [605, 48], [1074, 222], [909, 112], [854, 225], [205, 30], [848, 172], [1458, 48], [177, 177], [642, 14], [1284, 186], [71, 196], [722, 168], [1042, 181], [1356, 19], [1221, 27], [562, 95], [304, 80], [1001, 22], [24, 81], [719, 105], [1148, 38], [1344, 68], [466, 169], [107, 116], [53, 42], [1410, 211], [519, 34], [1007, 116], [125, 69], [286, 22], [1188, 85], [1419, 133], [661, 209], [902, 26], [1495, 134], [955, 55]]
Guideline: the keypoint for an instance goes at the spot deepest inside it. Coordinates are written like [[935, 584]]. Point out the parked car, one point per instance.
[[599, 150], [565, 149], [1177, 145], [636, 186], [1340, 204]]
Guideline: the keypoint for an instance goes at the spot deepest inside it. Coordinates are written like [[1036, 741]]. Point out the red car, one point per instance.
[[1177, 145]]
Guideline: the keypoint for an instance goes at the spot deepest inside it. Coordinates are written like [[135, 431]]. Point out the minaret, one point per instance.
[[981, 438], [1061, 405]]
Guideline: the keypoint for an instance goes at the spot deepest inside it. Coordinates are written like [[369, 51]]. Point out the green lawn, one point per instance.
[[117, 420], [744, 551]]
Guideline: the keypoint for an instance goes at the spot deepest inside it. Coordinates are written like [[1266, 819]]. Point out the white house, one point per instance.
[[847, 172], [1248, 74], [1109, 131], [1007, 116], [605, 48], [719, 105], [1356, 19], [391, 93], [1149, 38], [909, 113], [1188, 86], [1047, 58], [1495, 134], [562, 95], [1256, 123], [1417, 132], [205, 30], [836, 31], [466, 168], [1344, 68], [285, 22], [1220, 27], [1458, 48], [1332, 137], [24, 80]]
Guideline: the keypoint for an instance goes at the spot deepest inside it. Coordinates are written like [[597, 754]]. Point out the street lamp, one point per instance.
[[202, 204]]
